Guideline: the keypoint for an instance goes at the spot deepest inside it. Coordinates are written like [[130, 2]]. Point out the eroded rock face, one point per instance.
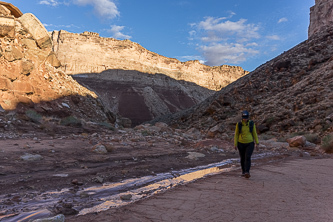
[[321, 16], [140, 96], [29, 74], [89, 53]]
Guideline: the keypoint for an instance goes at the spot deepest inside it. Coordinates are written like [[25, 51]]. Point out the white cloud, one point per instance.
[[273, 37], [117, 34], [223, 41], [219, 28], [217, 54], [52, 27], [283, 20], [104, 8], [49, 2]]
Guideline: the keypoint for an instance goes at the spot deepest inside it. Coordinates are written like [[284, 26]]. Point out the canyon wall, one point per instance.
[[292, 93], [89, 53], [30, 77], [321, 16]]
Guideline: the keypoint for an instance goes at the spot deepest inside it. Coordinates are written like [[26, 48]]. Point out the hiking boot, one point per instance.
[[247, 175]]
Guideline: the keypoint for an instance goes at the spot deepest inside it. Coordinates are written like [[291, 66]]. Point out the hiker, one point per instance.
[[245, 140]]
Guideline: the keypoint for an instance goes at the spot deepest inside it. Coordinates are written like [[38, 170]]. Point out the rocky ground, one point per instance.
[[289, 191], [35, 163]]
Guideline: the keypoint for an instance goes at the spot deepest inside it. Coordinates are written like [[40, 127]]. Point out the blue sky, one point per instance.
[[215, 32]]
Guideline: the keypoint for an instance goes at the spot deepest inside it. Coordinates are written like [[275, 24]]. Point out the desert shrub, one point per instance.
[[312, 138], [326, 127], [33, 116], [71, 121], [297, 134], [266, 136], [282, 139], [49, 128], [106, 125], [146, 133], [327, 143]]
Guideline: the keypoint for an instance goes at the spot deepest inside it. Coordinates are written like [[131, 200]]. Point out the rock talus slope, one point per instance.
[[291, 93]]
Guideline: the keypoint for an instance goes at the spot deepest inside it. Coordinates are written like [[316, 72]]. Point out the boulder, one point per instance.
[[5, 84], [36, 29], [53, 60], [13, 54], [4, 11], [297, 141], [100, 149], [29, 43], [27, 67], [7, 27], [214, 131]]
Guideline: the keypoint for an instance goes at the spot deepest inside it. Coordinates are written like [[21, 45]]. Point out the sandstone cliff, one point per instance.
[[292, 93], [321, 16], [29, 74], [89, 53]]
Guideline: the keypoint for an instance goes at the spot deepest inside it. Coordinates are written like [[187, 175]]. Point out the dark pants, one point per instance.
[[245, 153]]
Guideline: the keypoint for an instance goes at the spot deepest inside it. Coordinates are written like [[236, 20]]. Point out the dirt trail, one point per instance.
[[297, 190]]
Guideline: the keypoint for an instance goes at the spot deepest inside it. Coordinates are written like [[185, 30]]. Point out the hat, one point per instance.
[[245, 114]]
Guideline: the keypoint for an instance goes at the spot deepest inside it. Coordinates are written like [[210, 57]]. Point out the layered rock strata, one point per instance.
[[89, 53], [140, 96]]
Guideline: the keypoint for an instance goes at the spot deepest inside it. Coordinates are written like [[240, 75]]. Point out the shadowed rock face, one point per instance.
[[30, 78], [89, 53], [142, 97], [291, 93]]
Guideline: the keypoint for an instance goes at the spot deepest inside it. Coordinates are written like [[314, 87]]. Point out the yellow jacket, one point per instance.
[[245, 136]]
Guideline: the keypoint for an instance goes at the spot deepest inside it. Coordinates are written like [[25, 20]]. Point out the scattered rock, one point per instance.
[[64, 208], [298, 141], [58, 218], [31, 157], [76, 182], [109, 147], [195, 155], [99, 148], [126, 197], [61, 175], [99, 179]]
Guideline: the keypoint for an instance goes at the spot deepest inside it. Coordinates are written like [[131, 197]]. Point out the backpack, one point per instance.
[[251, 124]]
